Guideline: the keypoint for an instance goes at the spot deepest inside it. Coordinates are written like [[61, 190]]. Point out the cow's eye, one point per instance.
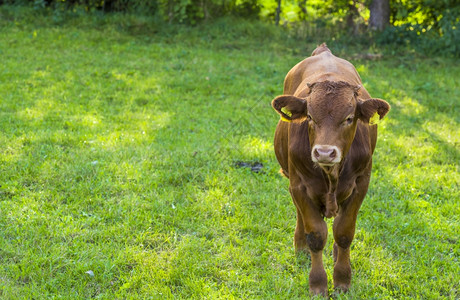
[[309, 117], [349, 120]]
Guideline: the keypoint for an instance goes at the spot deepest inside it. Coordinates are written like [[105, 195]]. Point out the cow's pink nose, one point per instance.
[[325, 154]]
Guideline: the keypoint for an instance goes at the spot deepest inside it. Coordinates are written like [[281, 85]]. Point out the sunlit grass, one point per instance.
[[119, 155]]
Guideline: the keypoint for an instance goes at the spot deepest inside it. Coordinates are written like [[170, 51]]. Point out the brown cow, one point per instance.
[[324, 144]]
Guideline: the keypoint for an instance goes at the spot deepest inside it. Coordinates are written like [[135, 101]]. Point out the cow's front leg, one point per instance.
[[316, 240], [315, 230], [344, 232]]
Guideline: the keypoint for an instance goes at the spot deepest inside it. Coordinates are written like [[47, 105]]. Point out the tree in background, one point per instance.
[[379, 14], [352, 16], [278, 13]]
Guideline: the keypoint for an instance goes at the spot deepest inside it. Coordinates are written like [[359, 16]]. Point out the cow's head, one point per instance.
[[332, 110]]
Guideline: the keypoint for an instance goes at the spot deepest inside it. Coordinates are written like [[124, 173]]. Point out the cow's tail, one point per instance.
[[320, 49]]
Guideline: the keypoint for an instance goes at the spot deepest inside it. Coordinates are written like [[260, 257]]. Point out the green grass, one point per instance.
[[119, 143]]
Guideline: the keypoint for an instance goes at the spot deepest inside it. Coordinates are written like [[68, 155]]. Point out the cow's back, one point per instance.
[[321, 66]]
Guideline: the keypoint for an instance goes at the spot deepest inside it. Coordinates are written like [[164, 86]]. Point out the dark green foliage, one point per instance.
[[425, 12], [193, 11], [177, 11], [428, 42], [431, 26], [144, 6]]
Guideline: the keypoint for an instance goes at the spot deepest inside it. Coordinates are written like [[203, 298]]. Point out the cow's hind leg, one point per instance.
[[300, 239]]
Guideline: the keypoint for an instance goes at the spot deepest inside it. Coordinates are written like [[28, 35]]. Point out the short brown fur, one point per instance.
[[324, 144]]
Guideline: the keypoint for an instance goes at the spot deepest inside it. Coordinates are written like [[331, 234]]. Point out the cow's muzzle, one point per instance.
[[326, 155]]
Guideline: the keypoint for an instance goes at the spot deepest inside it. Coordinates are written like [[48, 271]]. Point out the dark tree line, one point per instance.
[[382, 12], [434, 22]]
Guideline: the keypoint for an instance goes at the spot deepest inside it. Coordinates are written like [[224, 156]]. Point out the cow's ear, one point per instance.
[[372, 110], [290, 108]]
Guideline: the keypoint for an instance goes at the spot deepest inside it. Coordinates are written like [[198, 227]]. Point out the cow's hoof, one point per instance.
[[318, 292], [318, 283], [342, 288], [342, 277]]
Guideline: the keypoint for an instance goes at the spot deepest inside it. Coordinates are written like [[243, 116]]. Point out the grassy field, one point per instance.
[[125, 165]]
